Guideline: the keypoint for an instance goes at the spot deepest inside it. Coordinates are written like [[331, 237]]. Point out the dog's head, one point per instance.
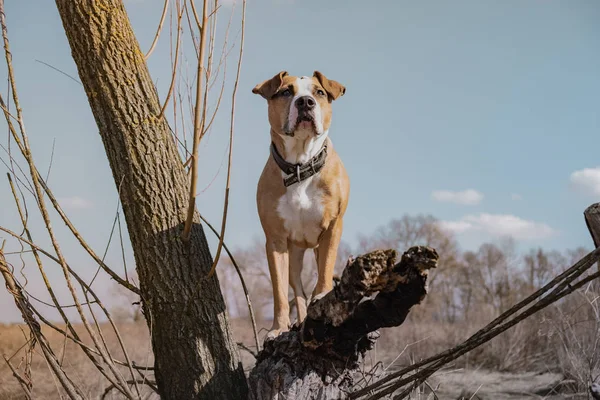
[[299, 105]]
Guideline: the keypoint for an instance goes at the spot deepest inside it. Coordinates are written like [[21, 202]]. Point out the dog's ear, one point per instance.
[[269, 87], [334, 89]]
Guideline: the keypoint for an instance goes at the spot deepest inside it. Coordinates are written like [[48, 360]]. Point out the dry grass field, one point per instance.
[[75, 362], [553, 354], [524, 363]]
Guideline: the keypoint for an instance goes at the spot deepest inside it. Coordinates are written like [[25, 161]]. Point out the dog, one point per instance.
[[303, 191]]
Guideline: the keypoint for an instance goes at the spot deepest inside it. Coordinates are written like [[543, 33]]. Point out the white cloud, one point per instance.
[[460, 226], [587, 180], [469, 197], [74, 203], [516, 197], [500, 225]]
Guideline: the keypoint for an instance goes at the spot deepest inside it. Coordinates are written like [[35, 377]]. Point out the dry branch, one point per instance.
[[199, 122], [174, 73], [242, 280], [23, 305], [26, 385], [159, 29], [231, 128]]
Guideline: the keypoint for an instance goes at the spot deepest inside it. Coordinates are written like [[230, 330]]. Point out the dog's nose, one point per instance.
[[305, 103]]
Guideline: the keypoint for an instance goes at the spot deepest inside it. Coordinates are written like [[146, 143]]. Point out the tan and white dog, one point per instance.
[[303, 191]]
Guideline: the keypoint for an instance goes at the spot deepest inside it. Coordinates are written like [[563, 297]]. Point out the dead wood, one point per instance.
[[592, 220], [318, 359]]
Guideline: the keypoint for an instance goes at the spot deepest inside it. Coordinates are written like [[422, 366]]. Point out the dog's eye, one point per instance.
[[320, 92], [286, 93]]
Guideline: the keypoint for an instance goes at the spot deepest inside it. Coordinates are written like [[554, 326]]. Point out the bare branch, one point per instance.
[[198, 126], [198, 23], [21, 301], [26, 384], [59, 70], [150, 384], [158, 30], [60, 211], [35, 249], [227, 186], [174, 73], [244, 287]]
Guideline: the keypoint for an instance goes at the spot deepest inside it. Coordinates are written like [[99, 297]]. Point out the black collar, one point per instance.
[[299, 172]]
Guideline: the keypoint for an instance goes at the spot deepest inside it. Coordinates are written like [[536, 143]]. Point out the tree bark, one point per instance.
[[319, 359], [195, 354]]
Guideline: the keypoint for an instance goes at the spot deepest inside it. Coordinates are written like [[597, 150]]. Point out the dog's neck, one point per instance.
[[299, 148]]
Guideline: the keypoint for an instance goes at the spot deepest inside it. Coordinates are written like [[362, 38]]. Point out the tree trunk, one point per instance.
[[195, 355], [318, 360]]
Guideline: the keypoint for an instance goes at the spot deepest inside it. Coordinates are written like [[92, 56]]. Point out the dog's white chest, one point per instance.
[[301, 209]]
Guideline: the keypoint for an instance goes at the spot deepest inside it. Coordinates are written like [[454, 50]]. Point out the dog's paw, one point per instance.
[[317, 297], [276, 331], [297, 323], [272, 334]]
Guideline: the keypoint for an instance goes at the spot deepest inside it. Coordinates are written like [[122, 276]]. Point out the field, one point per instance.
[[504, 369], [553, 354]]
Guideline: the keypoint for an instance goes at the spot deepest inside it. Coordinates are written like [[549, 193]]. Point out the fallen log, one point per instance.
[[319, 359]]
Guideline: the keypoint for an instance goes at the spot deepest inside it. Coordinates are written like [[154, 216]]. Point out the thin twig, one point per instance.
[[187, 15], [158, 30], [86, 246], [83, 345], [61, 71], [117, 334], [222, 62], [51, 160], [60, 211], [21, 301], [112, 231], [26, 385], [227, 187], [150, 384], [198, 23], [35, 249], [174, 73], [122, 246], [23, 147], [244, 287], [244, 347]]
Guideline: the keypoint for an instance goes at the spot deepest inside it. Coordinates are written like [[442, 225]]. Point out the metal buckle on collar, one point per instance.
[[298, 172]]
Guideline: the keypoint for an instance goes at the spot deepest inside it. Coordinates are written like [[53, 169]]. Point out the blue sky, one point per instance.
[[481, 113]]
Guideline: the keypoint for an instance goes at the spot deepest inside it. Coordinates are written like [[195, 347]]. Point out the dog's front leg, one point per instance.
[[296, 263], [326, 257], [278, 259]]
